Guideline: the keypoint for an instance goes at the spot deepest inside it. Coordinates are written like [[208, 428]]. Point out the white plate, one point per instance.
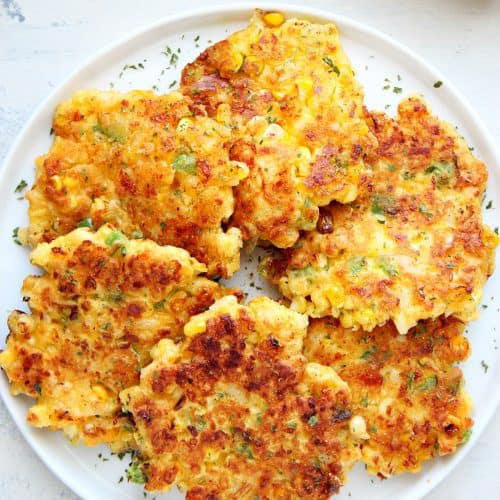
[[375, 57]]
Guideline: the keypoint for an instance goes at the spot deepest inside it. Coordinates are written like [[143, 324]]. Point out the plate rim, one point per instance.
[[88, 62]]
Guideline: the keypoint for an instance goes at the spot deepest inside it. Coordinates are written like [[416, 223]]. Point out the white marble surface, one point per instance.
[[42, 41]]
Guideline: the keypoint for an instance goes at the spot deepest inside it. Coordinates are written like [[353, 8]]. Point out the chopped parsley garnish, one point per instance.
[[397, 90], [466, 435], [51, 131], [113, 132], [364, 401], [382, 205], [489, 205], [356, 264], [313, 420], [390, 167], [85, 223], [333, 67], [244, 449], [15, 236], [292, 425], [411, 378], [423, 209], [135, 474], [113, 237], [21, 186], [442, 171], [159, 305], [172, 84], [485, 366], [388, 268], [437, 84], [367, 354], [37, 388], [428, 383], [185, 162]]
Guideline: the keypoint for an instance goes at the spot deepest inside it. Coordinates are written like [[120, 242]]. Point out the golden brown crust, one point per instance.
[[103, 302], [412, 245], [144, 163], [236, 410], [406, 387], [290, 93]]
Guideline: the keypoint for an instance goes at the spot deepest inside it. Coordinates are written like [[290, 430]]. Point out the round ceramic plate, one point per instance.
[[153, 58]]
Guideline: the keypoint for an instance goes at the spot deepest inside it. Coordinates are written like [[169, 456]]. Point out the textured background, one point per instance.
[[41, 42]]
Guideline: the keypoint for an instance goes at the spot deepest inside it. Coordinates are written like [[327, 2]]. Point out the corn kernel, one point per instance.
[[238, 59], [242, 170], [194, 327], [459, 345], [223, 113], [184, 124], [100, 392], [274, 19], [6, 358], [305, 86], [70, 182], [165, 350], [335, 295], [57, 182]]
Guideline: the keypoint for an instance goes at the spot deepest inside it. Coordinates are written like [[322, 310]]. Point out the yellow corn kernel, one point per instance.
[[274, 19], [70, 182], [6, 358], [299, 304], [223, 113], [305, 86], [184, 124], [57, 182], [242, 170], [100, 392], [451, 419], [459, 345], [238, 59], [194, 327], [165, 350], [335, 295]]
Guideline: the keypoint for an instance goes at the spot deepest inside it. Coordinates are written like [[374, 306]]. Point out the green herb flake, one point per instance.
[[21, 186], [423, 209], [185, 162], [114, 132], [15, 236], [397, 90], [485, 366], [333, 67], [489, 205], [356, 264], [313, 421], [388, 268], [135, 474], [411, 378], [292, 425], [85, 223], [172, 84], [113, 237], [437, 84], [37, 388], [466, 436], [201, 424], [442, 171], [367, 354], [244, 449], [391, 168], [364, 401], [428, 383], [159, 305]]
